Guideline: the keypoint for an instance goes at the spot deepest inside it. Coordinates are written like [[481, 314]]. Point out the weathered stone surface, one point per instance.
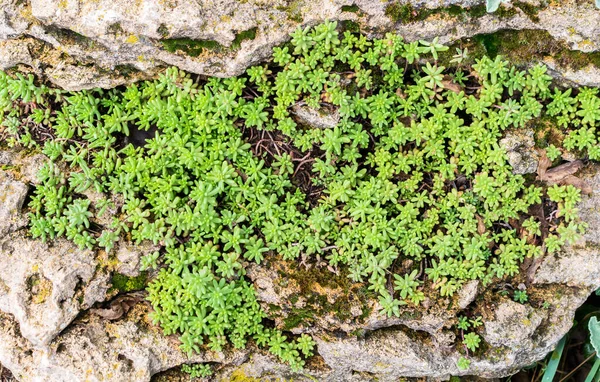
[[100, 350], [575, 265], [520, 150], [315, 118], [46, 286], [513, 324], [12, 196], [114, 42], [129, 257], [467, 293]]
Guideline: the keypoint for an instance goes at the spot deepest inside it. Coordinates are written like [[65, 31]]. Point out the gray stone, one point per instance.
[[100, 350], [319, 119], [467, 293], [12, 197], [46, 286], [129, 257], [574, 266], [520, 151], [106, 43], [513, 324]]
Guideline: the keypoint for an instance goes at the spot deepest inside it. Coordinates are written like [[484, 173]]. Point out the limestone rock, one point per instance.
[[521, 152], [129, 257], [107, 43], [574, 266], [46, 286], [12, 197], [467, 293], [320, 119], [98, 350], [513, 324]]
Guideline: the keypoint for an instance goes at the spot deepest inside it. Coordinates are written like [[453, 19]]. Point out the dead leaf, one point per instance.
[[563, 174], [577, 182], [556, 174], [118, 307], [447, 83], [543, 164], [480, 225]]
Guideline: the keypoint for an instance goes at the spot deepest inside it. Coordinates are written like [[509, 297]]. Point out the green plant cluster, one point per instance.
[[411, 176], [197, 370]]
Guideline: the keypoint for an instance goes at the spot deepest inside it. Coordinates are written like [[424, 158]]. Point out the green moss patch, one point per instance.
[[195, 48], [125, 284]]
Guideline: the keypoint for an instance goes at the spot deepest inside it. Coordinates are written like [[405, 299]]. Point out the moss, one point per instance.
[[69, 37], [126, 284], [324, 294], [298, 317], [40, 288], [505, 12], [406, 13], [189, 46], [403, 13], [249, 34], [293, 11], [350, 26], [195, 48], [115, 29], [490, 42], [351, 8], [530, 10], [477, 11], [521, 48]]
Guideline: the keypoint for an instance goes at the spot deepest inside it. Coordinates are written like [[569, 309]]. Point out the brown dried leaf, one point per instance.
[[535, 264], [556, 174], [577, 182], [480, 225], [543, 164], [447, 83], [118, 307]]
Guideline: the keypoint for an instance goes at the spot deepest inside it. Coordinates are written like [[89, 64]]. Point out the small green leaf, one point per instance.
[[554, 361], [594, 327], [594, 369]]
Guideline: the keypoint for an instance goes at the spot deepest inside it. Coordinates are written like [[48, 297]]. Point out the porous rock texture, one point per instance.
[[48, 331], [103, 43]]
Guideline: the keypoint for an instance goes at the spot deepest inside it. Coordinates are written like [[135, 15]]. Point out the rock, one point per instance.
[[46, 333], [573, 265], [12, 197], [520, 150], [20, 166], [129, 257], [513, 324], [107, 43], [467, 293], [46, 286], [320, 119], [99, 350]]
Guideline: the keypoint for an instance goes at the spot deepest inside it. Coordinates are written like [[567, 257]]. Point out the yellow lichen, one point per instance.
[[240, 376], [132, 39]]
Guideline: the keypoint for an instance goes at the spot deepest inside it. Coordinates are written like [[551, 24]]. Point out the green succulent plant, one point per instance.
[[412, 173]]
